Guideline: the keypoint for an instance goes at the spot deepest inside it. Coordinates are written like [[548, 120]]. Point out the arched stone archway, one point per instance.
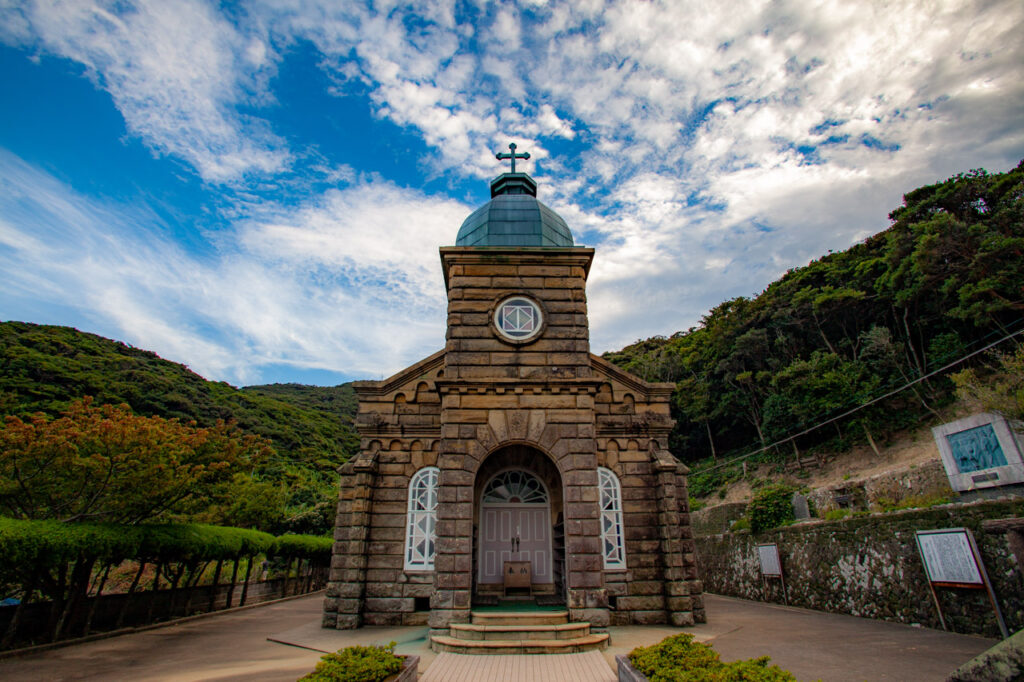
[[517, 504]]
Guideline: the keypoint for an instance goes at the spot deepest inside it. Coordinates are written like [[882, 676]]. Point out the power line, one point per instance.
[[859, 407]]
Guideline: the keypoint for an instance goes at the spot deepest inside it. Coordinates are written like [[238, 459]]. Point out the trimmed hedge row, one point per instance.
[[311, 547], [51, 543]]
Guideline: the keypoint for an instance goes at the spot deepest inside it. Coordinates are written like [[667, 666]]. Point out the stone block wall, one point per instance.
[[478, 279], [869, 566], [481, 418], [399, 422], [925, 480], [717, 519]]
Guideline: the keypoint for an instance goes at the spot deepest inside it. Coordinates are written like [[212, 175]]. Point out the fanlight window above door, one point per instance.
[[511, 487]]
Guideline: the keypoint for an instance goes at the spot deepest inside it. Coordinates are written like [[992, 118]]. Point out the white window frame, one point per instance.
[[613, 536], [421, 520]]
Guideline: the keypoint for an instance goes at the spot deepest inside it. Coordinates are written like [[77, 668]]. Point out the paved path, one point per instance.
[[238, 646], [830, 646], [587, 667], [230, 646]]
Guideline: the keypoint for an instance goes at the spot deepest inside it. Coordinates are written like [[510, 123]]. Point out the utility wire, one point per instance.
[[859, 407]]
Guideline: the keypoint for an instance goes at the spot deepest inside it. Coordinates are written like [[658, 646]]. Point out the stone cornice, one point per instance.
[[367, 430], [573, 256], [502, 385]]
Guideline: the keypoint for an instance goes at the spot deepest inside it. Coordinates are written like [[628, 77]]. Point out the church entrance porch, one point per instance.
[[519, 544]]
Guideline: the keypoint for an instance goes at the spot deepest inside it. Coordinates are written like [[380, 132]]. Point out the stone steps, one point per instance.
[[491, 647], [519, 618], [485, 632], [519, 633]]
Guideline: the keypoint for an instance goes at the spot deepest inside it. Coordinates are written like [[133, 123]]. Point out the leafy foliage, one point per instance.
[[63, 562], [770, 507], [680, 659], [44, 369], [107, 464], [943, 279], [1001, 391], [304, 546], [44, 545], [356, 664]]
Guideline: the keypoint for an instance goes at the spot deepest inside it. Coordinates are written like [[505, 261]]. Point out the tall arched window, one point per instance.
[[613, 544], [422, 517]]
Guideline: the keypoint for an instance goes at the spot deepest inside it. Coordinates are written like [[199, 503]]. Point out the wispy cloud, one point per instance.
[[350, 284], [715, 146], [178, 72]]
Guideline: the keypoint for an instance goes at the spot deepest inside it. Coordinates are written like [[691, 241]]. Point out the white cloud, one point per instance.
[[177, 71], [720, 144], [349, 283]]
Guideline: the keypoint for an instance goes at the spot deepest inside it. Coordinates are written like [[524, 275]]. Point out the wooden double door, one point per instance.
[[515, 532]]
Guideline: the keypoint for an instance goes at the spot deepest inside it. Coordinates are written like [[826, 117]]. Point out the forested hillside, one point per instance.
[[946, 278], [44, 368]]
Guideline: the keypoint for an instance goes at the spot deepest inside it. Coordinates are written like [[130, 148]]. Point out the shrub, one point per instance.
[[356, 664], [912, 502], [836, 514], [679, 659], [304, 546], [771, 507]]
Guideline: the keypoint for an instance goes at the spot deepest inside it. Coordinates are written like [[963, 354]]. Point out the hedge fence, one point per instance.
[[61, 569]]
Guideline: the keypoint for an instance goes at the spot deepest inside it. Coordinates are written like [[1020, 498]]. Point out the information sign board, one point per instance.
[[949, 557], [770, 563]]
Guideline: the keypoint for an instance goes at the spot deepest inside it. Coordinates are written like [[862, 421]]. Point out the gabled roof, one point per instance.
[[604, 368], [416, 372]]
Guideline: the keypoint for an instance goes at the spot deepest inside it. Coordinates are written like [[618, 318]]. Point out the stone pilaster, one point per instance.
[[677, 592], [587, 598], [346, 589], [453, 563], [695, 587]]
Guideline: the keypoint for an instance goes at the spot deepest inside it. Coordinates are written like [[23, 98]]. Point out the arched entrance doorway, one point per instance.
[[515, 525], [518, 518]]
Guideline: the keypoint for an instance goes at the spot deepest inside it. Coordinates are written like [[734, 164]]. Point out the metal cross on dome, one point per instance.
[[501, 156]]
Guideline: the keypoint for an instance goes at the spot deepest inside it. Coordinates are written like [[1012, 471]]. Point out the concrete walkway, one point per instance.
[[585, 667], [283, 641]]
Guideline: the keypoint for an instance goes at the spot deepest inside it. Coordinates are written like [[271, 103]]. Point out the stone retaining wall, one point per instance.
[[869, 566], [926, 480], [717, 519]]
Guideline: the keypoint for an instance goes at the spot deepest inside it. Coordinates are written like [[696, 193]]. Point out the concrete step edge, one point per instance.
[[513, 643], [547, 627]]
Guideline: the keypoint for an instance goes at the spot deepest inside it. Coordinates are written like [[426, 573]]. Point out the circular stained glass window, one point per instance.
[[518, 319]]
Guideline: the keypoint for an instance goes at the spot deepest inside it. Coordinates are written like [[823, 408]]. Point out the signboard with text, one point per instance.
[[949, 557], [770, 563]]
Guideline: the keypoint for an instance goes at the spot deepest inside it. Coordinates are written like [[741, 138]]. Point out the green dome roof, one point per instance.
[[514, 217]]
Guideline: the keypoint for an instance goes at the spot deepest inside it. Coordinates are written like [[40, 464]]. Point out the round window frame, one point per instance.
[[498, 332]]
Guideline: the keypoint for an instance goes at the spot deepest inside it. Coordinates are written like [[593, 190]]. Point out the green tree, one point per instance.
[[1001, 391], [943, 278], [104, 463]]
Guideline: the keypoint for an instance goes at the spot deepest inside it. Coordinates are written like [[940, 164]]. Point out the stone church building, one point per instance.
[[513, 461]]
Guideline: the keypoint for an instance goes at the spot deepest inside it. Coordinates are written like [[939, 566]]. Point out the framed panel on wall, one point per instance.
[[980, 451]]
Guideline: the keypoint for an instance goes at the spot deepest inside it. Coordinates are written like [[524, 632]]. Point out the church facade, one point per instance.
[[513, 450]]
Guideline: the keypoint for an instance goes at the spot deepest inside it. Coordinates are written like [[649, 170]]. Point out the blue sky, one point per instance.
[[258, 189]]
